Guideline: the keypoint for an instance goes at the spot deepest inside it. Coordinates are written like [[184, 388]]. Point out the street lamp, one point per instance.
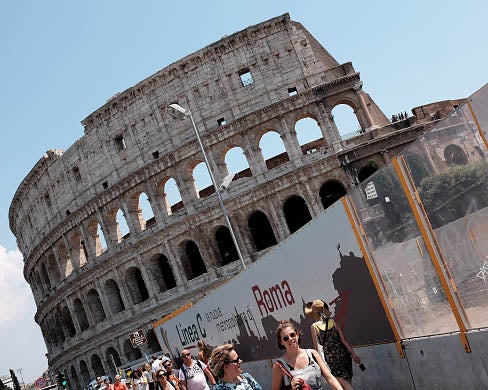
[[186, 112]]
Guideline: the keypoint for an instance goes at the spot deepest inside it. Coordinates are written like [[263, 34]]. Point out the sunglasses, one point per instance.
[[161, 376], [167, 365], [236, 360], [290, 336], [185, 355]]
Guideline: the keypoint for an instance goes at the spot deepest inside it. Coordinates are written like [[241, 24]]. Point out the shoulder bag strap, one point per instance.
[[326, 331], [285, 370]]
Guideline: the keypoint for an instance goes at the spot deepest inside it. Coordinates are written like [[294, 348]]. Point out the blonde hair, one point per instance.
[[219, 358]]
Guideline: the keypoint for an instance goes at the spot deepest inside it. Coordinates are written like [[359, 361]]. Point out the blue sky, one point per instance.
[[62, 60]]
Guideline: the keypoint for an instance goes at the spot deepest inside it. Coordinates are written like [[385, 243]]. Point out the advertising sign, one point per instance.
[[320, 261], [137, 338], [370, 191]]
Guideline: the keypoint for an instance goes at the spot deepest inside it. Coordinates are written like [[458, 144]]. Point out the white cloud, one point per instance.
[[14, 290], [22, 342]]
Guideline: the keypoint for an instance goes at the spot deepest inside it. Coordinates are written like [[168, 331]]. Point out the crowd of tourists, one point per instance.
[[328, 365]]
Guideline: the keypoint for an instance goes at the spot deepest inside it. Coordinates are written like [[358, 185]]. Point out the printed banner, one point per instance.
[[320, 261]]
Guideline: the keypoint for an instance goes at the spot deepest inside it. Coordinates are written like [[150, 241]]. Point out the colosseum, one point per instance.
[[101, 266]]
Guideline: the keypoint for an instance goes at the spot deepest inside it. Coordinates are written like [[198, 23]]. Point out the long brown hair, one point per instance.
[[286, 324]]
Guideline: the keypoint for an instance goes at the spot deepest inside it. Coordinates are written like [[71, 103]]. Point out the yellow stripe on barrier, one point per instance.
[[362, 241], [432, 246]]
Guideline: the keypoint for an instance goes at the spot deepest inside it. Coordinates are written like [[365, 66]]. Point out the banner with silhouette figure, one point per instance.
[[320, 261]]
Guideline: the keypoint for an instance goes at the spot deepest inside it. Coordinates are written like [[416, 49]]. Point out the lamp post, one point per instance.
[[186, 112]]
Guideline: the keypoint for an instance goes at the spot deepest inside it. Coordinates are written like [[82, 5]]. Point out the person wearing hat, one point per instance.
[[331, 343]]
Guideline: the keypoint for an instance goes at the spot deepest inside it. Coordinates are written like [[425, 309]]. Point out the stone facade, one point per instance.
[[265, 78]]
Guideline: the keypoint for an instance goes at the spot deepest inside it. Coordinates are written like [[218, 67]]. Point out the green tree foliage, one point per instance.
[[416, 167], [455, 192], [15, 381]]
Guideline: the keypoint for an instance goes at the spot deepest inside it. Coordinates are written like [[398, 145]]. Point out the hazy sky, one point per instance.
[[61, 60]]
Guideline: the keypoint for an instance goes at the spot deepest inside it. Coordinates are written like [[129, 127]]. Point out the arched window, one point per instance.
[[65, 261], [167, 273], [454, 155], [202, 180], [273, 149], [331, 192], [236, 163], [227, 249], [145, 212], [346, 121], [172, 196], [68, 322], [367, 170], [59, 326], [75, 382], [161, 272], [53, 269], [123, 231], [112, 293], [95, 305], [101, 240], [45, 278], [80, 255], [96, 237], [97, 366], [130, 352], [111, 357], [309, 135], [81, 315], [296, 213], [261, 231], [85, 374], [192, 261], [152, 341], [136, 285]]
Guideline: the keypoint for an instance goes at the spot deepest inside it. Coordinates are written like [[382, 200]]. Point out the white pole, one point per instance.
[[217, 190]]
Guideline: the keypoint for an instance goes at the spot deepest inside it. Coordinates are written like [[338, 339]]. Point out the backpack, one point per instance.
[[182, 368]]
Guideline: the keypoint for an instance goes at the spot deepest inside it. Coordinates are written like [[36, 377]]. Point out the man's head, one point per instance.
[[168, 365], [154, 357], [186, 355], [99, 380], [117, 378]]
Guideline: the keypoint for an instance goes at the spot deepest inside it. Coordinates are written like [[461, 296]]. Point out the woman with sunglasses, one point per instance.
[[226, 367], [162, 383], [304, 364]]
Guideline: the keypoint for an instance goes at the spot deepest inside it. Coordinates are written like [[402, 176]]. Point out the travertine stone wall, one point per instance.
[[264, 78]]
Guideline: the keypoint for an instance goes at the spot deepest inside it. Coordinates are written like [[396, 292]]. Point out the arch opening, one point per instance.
[[331, 192], [192, 261], [227, 249], [346, 121], [114, 298], [172, 197], [296, 213], [81, 315], [136, 285], [273, 149], [309, 135], [236, 163], [145, 212], [95, 305], [261, 231]]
